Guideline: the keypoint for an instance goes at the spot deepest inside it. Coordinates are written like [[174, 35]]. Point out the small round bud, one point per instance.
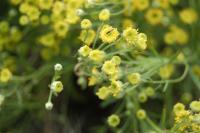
[[113, 120], [58, 67], [142, 97], [141, 114], [104, 15], [57, 86], [49, 105], [86, 24], [195, 106]]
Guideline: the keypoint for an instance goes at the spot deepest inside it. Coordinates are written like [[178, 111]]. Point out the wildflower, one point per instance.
[[109, 67], [130, 35], [141, 42], [58, 7], [169, 38], [113, 120], [5, 75], [103, 93], [23, 20], [49, 105], [149, 91], [140, 4], [92, 81], [58, 67], [115, 87], [45, 4], [45, 19], [57, 86], [97, 55], [109, 34], [84, 51], [178, 107], [141, 114], [195, 106], [166, 71], [33, 13], [4, 26], [87, 36], [86, 24], [142, 97], [116, 60], [127, 23], [188, 15], [104, 15], [48, 39], [61, 28], [154, 16], [134, 78]]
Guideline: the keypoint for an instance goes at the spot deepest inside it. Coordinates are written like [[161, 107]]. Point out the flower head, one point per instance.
[[113, 120], [109, 34]]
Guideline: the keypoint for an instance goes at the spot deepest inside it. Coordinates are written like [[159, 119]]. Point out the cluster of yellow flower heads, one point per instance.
[[187, 120]]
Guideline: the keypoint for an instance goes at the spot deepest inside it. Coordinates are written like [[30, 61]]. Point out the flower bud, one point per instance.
[[58, 67], [49, 105]]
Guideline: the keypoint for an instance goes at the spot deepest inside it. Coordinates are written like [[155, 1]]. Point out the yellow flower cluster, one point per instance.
[[139, 40], [187, 120]]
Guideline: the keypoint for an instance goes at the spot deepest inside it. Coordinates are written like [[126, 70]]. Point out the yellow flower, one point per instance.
[[44, 19], [141, 42], [163, 3], [188, 15], [130, 35], [87, 36], [57, 86], [127, 23], [109, 67], [116, 60], [24, 7], [178, 107], [104, 15], [134, 78], [103, 93], [169, 38], [140, 4], [5, 75], [195, 106], [23, 20], [61, 28], [166, 71], [33, 13], [109, 34], [84, 51], [97, 55], [149, 91], [113, 120], [142, 97], [86, 24], [181, 36], [45, 4], [141, 114], [115, 88], [154, 16], [47, 40], [92, 81], [15, 2], [58, 7]]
